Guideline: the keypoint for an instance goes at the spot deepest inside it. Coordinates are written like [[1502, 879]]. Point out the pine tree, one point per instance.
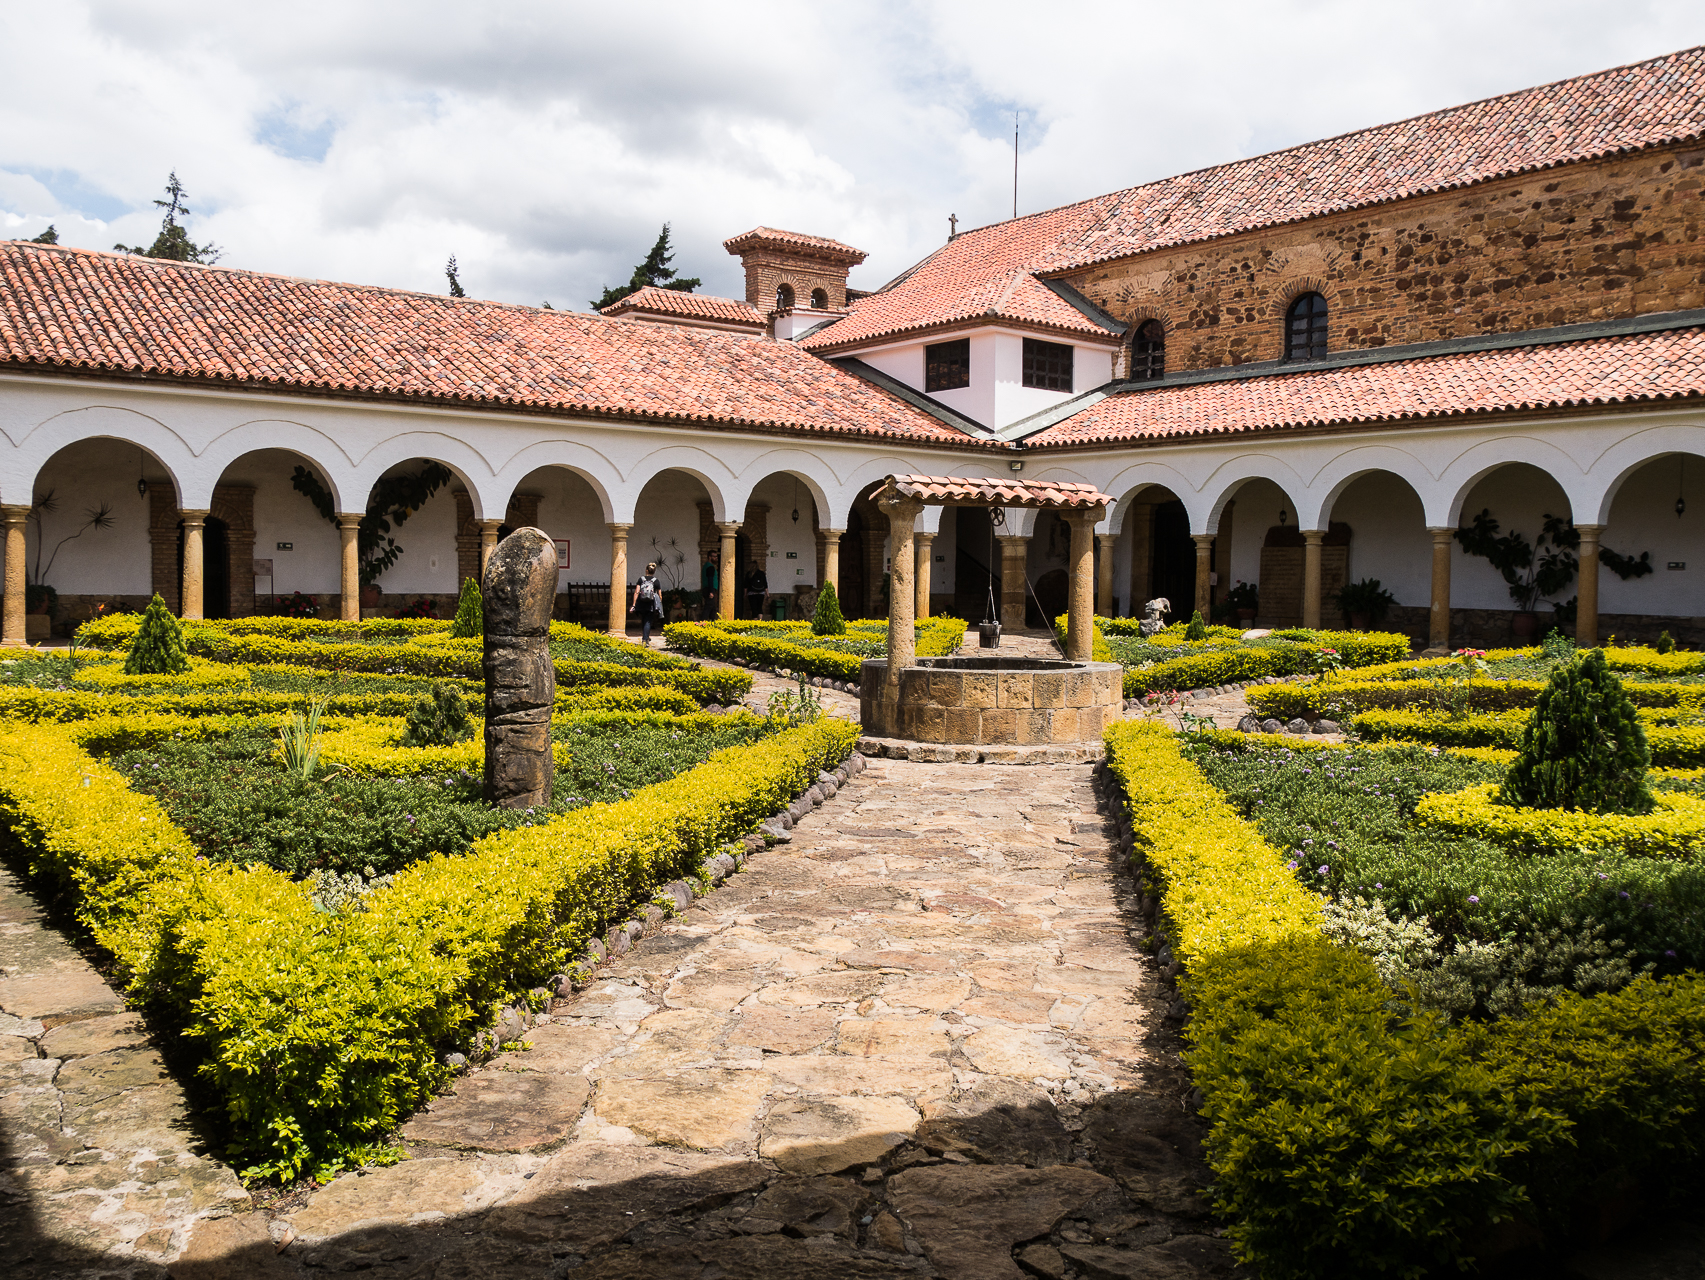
[[50, 236], [158, 649], [450, 274], [655, 270], [1197, 630], [438, 718], [173, 242], [1584, 748], [470, 611], [827, 620]]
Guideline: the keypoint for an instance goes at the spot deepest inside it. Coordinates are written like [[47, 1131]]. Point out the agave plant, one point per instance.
[[299, 741]]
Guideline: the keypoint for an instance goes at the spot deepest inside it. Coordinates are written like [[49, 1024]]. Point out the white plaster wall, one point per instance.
[[1258, 505], [1642, 518], [428, 541], [905, 363], [667, 508], [779, 492], [568, 509], [313, 563], [1519, 497], [111, 561], [1388, 536], [944, 567]]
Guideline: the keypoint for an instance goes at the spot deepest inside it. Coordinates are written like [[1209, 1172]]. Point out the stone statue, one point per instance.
[[520, 682], [1151, 622]]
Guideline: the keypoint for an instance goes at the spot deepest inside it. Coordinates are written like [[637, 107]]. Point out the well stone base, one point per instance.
[[992, 701]]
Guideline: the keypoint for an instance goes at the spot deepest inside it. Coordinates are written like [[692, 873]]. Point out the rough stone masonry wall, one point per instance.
[[1588, 241]]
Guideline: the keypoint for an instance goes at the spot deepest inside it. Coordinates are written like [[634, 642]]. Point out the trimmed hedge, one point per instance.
[[1214, 662], [1673, 746], [1099, 649], [321, 1031], [1674, 829], [372, 747], [1285, 702], [747, 642], [1347, 1142]]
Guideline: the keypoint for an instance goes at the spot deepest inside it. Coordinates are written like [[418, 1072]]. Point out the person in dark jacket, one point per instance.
[[757, 587]]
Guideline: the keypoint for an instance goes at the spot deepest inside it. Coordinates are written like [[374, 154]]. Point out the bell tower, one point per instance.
[[787, 271]]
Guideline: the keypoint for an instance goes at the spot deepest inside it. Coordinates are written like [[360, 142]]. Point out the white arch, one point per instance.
[[1474, 464], [802, 466], [330, 458], [49, 437], [467, 463], [705, 467], [1348, 467], [1233, 474], [1128, 484], [1613, 467], [571, 455]]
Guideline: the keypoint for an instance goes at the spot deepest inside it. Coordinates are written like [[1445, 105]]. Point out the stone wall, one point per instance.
[[1588, 241]]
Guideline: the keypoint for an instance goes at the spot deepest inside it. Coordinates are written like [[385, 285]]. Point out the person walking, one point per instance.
[[757, 588], [707, 586], [648, 603]]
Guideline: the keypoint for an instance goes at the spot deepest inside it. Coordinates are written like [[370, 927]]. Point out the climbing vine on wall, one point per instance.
[[393, 500], [1541, 569]]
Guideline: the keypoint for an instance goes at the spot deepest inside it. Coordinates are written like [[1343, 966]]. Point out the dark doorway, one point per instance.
[[1172, 572], [976, 566], [1053, 591], [854, 581], [737, 581], [215, 567]]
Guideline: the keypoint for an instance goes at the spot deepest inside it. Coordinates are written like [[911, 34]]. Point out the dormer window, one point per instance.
[[784, 297], [1047, 365], [820, 299], [1148, 352], [947, 365], [1305, 328]]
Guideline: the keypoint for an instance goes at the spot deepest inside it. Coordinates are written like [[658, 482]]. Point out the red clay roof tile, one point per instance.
[[994, 492], [813, 246], [105, 313], [695, 306]]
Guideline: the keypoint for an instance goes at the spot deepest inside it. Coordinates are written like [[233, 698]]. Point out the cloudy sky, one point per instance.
[[544, 143]]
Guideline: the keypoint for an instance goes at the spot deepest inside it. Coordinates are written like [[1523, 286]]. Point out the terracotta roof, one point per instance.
[[691, 306], [81, 311], [986, 492], [1658, 366], [983, 275], [1624, 109], [987, 272], [797, 241]]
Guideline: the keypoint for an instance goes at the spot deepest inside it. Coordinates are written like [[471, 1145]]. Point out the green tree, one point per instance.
[[158, 649], [173, 242], [1584, 748], [438, 718], [456, 290], [50, 236], [470, 611], [827, 620], [655, 270], [1197, 630]]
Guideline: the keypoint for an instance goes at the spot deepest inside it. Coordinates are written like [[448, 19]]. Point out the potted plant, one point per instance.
[[1365, 603], [1244, 601]]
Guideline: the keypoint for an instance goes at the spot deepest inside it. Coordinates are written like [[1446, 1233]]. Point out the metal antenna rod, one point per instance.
[[1015, 164]]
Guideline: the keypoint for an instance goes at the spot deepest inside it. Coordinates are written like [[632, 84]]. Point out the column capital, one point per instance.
[[491, 524], [617, 528], [831, 533], [15, 513], [1203, 539], [1314, 536], [1012, 538], [1107, 539], [1589, 529], [190, 515], [922, 536], [729, 528], [892, 505], [350, 519]]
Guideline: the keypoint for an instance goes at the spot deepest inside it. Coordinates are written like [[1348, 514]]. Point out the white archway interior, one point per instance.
[[99, 563], [302, 548], [571, 512], [1642, 518], [1519, 495], [1388, 536]]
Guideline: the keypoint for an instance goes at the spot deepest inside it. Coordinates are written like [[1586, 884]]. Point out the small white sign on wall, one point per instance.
[[561, 562]]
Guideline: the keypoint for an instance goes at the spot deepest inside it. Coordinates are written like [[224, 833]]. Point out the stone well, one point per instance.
[[992, 700]]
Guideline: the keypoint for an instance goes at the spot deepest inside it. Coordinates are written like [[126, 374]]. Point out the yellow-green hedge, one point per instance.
[[1672, 746], [320, 1032], [1099, 649], [1219, 660], [1675, 829], [1346, 1142], [371, 747], [747, 641], [1357, 693]]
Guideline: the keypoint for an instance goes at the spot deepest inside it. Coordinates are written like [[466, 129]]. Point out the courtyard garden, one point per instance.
[[1443, 975], [275, 829]]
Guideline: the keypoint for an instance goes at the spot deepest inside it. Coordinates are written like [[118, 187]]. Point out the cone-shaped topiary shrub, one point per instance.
[[1666, 642], [827, 620], [438, 718], [1197, 630], [470, 611], [158, 649], [1583, 749]]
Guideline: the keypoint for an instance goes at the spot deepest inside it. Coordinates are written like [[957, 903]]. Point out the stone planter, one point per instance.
[[38, 626], [992, 700]]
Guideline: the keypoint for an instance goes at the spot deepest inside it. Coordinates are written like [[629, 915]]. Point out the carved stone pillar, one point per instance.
[[618, 620], [1586, 599], [1438, 620], [349, 530], [1311, 541], [12, 623], [520, 682], [1204, 574], [1080, 577], [925, 543], [902, 515], [195, 525], [1106, 543]]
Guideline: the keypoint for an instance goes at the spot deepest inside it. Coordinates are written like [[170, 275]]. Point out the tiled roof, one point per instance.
[[987, 272], [815, 246], [986, 492], [978, 275], [80, 311], [1658, 366], [690, 306], [1623, 109]]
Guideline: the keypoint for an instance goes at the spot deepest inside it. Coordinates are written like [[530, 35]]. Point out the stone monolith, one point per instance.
[[520, 682]]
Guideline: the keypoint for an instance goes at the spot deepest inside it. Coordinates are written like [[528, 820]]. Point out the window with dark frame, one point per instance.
[[1047, 365], [1148, 352], [947, 365], [1305, 328]]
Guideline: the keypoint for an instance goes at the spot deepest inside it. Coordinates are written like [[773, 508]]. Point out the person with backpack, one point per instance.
[[648, 602]]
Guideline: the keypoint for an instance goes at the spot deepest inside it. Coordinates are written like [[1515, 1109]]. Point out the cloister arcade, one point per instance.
[[199, 502]]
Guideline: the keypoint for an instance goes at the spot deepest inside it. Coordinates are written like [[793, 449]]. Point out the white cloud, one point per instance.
[[544, 143]]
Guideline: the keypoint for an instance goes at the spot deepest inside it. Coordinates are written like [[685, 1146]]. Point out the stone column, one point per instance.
[[1015, 555], [1105, 543], [1080, 576], [727, 585], [1586, 601], [1311, 540], [829, 560], [349, 572], [12, 619], [195, 523], [520, 681], [926, 546], [902, 514], [488, 542], [1438, 621], [618, 619], [1204, 569]]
